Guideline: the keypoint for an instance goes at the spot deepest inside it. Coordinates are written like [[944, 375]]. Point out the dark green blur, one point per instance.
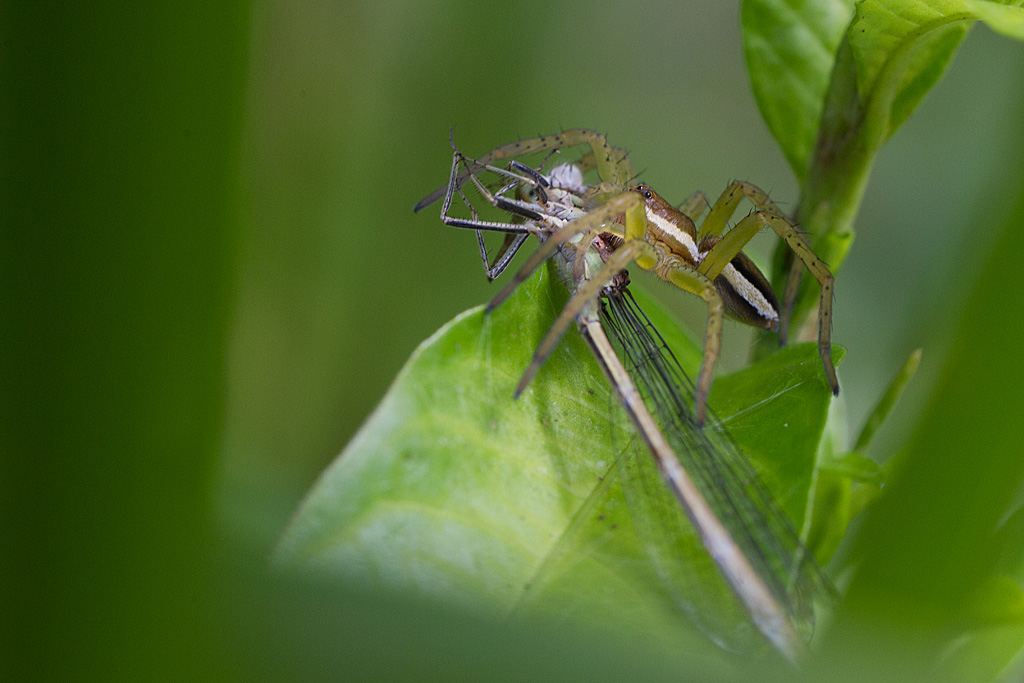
[[120, 196]]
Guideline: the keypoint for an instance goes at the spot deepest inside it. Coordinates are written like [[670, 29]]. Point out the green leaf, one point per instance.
[[991, 633], [983, 656], [902, 47], [776, 411], [888, 400], [855, 467], [789, 48], [454, 491], [844, 485], [1011, 541], [930, 543], [998, 601], [1005, 18], [892, 54]]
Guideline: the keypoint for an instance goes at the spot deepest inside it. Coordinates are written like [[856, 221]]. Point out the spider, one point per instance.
[[636, 225]]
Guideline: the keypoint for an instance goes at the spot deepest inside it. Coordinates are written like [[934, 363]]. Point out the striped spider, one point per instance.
[[642, 228]]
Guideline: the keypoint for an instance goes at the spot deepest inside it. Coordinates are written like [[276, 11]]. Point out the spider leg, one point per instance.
[[611, 163], [516, 232], [603, 214], [689, 279], [720, 256], [586, 293], [619, 156], [694, 206], [581, 253], [726, 204]]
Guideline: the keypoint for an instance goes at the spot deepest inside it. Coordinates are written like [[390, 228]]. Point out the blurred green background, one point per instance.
[[211, 272]]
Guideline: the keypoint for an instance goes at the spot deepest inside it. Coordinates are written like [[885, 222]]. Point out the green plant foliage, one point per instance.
[[790, 49], [891, 54], [933, 547], [902, 48], [454, 491]]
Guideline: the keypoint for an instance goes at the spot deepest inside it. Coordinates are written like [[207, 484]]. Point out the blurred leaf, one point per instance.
[[830, 515], [1011, 540], [789, 50], [455, 491], [999, 601], [887, 401], [855, 467], [297, 629], [893, 53], [901, 48], [992, 634], [843, 487], [846, 484], [931, 542], [987, 655], [864, 495]]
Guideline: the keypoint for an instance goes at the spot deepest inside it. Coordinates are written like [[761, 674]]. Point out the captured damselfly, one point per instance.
[[748, 536], [707, 261]]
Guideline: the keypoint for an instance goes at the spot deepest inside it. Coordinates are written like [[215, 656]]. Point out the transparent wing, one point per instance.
[[721, 471]]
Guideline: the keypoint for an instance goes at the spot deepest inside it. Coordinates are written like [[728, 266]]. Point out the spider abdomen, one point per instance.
[[747, 294]]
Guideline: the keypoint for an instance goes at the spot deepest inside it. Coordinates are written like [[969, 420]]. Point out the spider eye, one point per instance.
[[643, 189]]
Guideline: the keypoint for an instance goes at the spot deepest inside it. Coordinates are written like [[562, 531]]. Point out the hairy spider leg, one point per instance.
[[612, 163], [689, 279], [640, 250], [733, 242], [599, 218], [579, 261], [694, 206], [512, 243], [762, 606], [630, 251], [636, 248], [696, 279]]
